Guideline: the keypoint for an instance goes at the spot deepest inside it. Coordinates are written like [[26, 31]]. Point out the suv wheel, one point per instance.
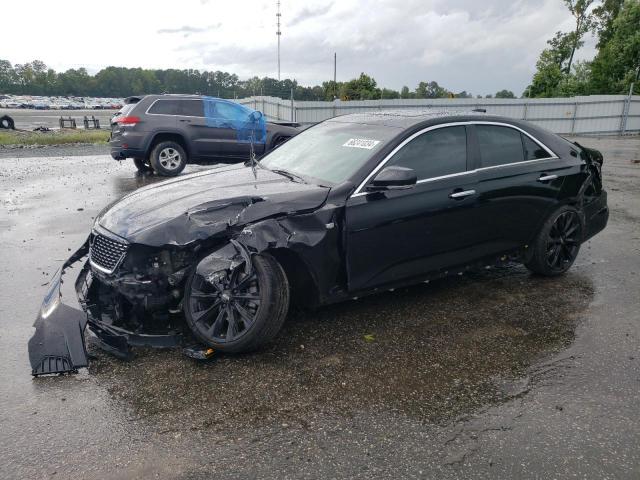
[[168, 158]]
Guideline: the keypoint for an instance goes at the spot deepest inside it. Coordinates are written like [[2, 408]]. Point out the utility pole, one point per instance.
[[627, 103], [335, 85], [278, 33]]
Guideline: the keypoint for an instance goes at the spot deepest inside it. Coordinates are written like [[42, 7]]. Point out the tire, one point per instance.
[[7, 123], [269, 288], [168, 159], [142, 165], [558, 243], [278, 141]]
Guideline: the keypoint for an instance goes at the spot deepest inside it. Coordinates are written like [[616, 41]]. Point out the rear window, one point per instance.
[[192, 108], [125, 110], [533, 151], [164, 107], [499, 145]]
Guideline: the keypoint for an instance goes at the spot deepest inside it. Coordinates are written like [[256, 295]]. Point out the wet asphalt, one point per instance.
[[495, 374]]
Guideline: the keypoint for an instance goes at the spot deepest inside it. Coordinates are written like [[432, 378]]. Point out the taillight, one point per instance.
[[128, 120]]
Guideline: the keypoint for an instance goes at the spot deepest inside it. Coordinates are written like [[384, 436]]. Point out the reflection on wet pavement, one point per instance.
[[432, 352]]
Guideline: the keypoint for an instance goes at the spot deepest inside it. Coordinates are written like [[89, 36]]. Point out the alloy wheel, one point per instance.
[[170, 158], [224, 306], [563, 241]]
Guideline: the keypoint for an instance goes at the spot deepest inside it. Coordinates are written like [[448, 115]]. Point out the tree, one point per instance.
[[505, 94], [551, 66], [579, 10], [362, 88], [431, 90], [616, 63], [603, 17], [405, 93]]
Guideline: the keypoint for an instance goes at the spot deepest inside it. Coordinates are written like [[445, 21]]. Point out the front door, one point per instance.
[[401, 234]]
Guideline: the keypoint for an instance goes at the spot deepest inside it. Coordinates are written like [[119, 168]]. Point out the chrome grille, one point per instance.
[[106, 254]]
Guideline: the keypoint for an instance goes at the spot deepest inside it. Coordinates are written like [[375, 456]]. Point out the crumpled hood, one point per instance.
[[195, 207]]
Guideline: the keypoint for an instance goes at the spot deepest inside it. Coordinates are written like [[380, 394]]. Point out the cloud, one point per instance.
[[480, 47], [308, 13], [188, 30], [477, 46]]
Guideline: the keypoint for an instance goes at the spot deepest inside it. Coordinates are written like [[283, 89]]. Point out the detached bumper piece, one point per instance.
[[57, 346]]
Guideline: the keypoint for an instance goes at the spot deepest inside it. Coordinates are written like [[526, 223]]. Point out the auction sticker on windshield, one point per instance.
[[361, 143]]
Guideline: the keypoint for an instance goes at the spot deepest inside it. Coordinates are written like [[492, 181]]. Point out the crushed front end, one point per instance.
[[128, 294]]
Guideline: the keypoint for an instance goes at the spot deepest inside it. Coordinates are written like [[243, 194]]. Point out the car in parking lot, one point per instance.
[[355, 205], [165, 132]]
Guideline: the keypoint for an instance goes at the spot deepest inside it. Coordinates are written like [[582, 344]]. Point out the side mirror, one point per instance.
[[393, 178], [255, 116]]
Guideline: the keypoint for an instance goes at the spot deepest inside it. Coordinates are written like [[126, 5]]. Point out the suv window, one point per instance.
[[164, 107], [533, 151], [225, 110], [192, 108], [435, 153], [499, 145]]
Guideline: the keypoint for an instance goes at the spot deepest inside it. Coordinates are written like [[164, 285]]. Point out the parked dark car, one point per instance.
[[352, 206], [165, 132]]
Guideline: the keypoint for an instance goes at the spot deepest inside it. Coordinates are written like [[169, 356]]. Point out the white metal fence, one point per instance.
[[595, 114]]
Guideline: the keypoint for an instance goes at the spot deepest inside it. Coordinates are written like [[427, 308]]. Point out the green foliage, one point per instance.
[[617, 24], [616, 63], [505, 94], [362, 88], [603, 17], [58, 137], [431, 90]]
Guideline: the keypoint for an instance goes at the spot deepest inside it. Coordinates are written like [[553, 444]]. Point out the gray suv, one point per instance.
[[165, 132]]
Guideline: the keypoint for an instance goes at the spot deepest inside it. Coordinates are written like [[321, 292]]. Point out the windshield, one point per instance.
[[330, 152]]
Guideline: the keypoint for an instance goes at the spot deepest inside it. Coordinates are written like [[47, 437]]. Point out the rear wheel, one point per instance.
[[168, 158], [558, 243], [238, 310]]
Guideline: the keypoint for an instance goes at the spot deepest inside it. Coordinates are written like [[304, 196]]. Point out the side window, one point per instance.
[[164, 107], [532, 151], [435, 153], [230, 112], [192, 108], [499, 145]]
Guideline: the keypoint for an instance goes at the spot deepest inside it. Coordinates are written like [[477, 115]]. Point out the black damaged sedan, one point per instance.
[[354, 205]]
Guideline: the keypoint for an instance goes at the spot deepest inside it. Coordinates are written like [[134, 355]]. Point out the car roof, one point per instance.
[[407, 118]]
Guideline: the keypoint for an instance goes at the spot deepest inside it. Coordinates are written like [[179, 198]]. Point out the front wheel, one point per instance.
[[238, 310], [558, 243], [168, 159]]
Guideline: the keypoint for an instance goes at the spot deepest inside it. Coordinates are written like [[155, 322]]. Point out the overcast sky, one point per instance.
[[476, 45]]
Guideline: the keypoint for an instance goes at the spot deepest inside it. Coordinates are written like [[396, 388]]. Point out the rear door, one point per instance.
[[193, 125], [519, 180], [162, 114]]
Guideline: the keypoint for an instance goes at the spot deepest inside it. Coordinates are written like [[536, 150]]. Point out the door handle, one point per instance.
[[547, 178], [463, 194], [185, 120]]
